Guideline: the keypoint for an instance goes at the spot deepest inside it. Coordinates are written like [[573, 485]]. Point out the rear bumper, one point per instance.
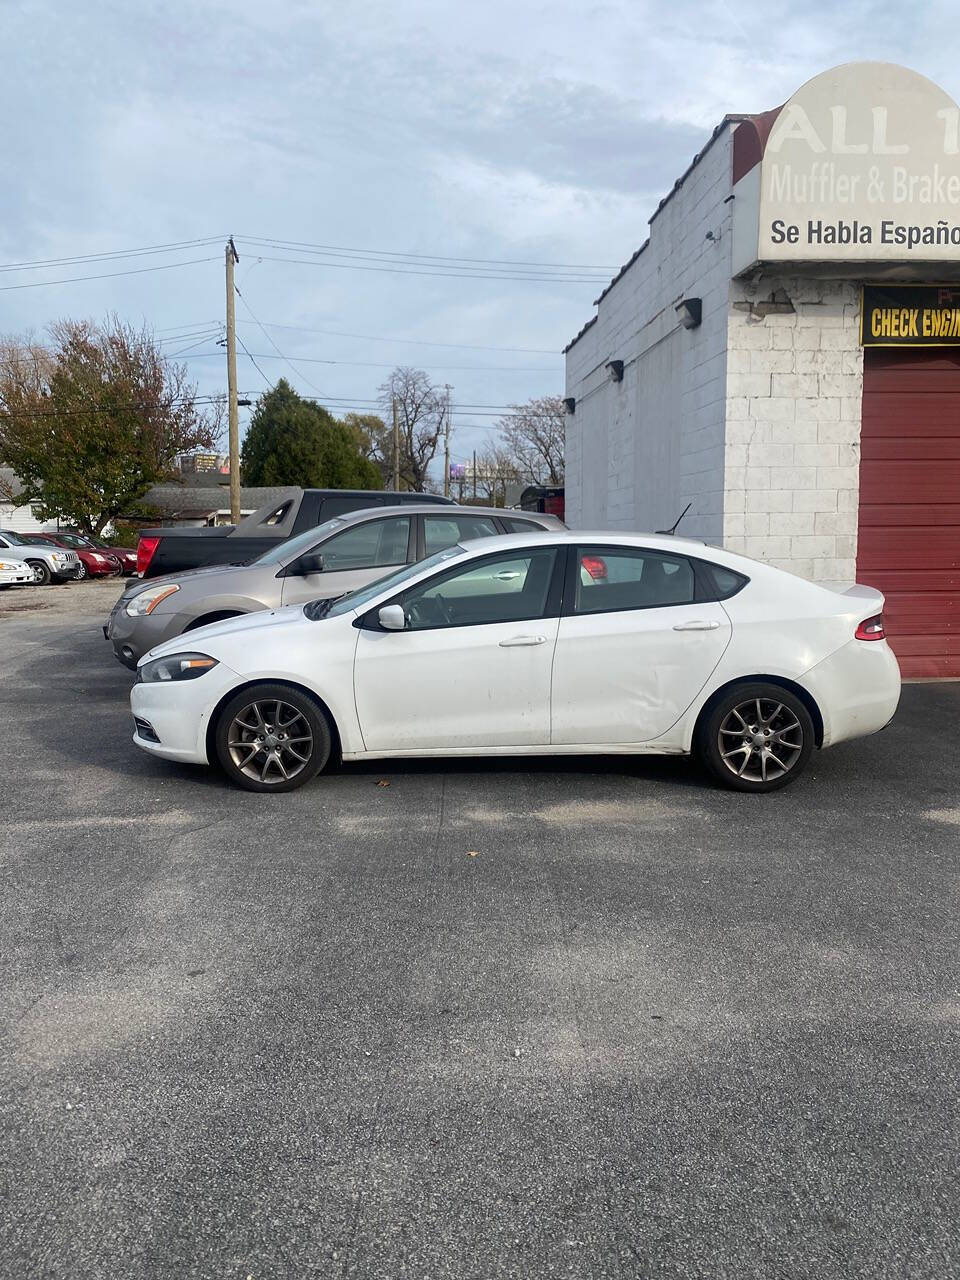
[[857, 689]]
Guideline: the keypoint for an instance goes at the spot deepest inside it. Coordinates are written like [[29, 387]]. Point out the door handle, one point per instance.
[[514, 642], [697, 624], [507, 575]]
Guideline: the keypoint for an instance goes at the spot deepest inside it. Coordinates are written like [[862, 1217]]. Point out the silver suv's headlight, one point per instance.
[[178, 666], [146, 601]]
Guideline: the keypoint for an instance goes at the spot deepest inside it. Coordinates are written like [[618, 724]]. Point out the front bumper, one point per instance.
[[133, 637], [179, 713], [16, 579]]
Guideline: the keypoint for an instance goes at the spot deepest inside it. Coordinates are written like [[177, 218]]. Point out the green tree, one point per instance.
[[291, 440], [91, 421]]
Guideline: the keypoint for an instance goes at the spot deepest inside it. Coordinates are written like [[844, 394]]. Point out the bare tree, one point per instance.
[[421, 411], [496, 469], [534, 435]]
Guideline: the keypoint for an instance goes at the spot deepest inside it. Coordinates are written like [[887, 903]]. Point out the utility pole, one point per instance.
[[234, 414], [446, 449], [474, 475], [396, 447]]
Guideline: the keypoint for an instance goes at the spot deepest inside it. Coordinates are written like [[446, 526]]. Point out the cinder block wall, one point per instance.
[[792, 454], [637, 451]]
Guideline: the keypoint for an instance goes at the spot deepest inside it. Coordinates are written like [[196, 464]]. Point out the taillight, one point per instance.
[[871, 628], [596, 566], [145, 549]]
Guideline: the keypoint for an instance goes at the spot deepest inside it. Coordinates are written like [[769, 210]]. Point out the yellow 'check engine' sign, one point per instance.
[[910, 315]]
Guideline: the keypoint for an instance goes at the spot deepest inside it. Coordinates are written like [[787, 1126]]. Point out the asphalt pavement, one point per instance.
[[585, 1018]]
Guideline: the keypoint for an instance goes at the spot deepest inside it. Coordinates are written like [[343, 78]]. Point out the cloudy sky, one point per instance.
[[518, 132]]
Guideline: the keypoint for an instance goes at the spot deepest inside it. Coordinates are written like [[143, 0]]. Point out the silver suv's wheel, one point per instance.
[[272, 738], [758, 737]]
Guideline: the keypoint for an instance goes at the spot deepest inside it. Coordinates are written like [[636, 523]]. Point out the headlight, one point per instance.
[[145, 602], [6, 566], [179, 666], [60, 555]]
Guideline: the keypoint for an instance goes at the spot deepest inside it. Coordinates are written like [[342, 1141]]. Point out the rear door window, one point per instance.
[[446, 531], [610, 579], [520, 526]]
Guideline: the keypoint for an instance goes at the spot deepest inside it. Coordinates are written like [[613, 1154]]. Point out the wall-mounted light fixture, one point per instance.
[[690, 312], [570, 404], [615, 368]]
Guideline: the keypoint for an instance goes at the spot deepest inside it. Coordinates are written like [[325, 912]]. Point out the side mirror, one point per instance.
[[312, 562], [392, 617]]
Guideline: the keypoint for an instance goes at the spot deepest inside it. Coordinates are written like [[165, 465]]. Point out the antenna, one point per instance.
[[677, 521]]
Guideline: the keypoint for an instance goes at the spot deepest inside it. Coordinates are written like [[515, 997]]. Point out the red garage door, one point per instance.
[[909, 540]]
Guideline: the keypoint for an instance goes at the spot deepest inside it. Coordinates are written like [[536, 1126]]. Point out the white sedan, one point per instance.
[[555, 643], [14, 570]]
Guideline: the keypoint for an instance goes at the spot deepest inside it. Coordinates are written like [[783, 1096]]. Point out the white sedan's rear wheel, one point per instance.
[[272, 737], [758, 737]]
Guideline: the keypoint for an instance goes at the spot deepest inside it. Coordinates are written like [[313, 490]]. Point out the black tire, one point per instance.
[[767, 736], [41, 573], [243, 752]]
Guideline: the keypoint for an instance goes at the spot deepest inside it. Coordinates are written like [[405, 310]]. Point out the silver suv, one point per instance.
[[49, 563], [328, 561]]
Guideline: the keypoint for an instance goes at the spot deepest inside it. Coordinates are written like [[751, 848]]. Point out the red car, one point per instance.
[[95, 562]]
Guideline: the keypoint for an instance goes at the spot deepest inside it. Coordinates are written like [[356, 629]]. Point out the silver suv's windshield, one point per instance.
[[317, 609], [284, 552]]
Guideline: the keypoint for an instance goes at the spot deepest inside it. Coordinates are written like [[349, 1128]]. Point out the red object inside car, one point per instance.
[[596, 566]]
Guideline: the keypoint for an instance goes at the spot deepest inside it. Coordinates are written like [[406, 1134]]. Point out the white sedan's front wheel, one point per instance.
[[272, 737], [757, 737]]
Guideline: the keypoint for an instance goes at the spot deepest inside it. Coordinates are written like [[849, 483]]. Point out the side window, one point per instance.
[[614, 578], [278, 514], [521, 526], [728, 583], [367, 546], [445, 531], [507, 588]]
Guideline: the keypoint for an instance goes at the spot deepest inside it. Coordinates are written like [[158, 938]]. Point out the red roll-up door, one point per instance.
[[909, 527]]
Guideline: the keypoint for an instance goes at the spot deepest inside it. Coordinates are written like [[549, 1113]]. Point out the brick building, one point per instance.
[[726, 365]]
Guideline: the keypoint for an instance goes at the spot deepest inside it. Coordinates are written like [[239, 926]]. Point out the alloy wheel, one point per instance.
[[760, 740], [81, 572], [270, 741]]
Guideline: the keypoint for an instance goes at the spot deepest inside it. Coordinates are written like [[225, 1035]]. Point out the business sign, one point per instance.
[[862, 164], [910, 316]]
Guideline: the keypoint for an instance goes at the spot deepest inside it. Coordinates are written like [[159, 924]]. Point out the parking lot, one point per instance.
[[467, 1019]]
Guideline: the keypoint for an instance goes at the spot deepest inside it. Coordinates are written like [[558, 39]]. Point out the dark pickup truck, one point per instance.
[[163, 551]]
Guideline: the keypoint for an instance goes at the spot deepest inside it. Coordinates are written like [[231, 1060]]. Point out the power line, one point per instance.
[[447, 275], [94, 409], [298, 373], [107, 255], [372, 337], [273, 241], [377, 364], [254, 363], [137, 271]]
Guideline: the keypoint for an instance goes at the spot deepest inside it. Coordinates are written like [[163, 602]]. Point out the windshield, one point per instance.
[[284, 552], [357, 599]]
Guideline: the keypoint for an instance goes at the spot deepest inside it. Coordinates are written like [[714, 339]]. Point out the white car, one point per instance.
[[14, 570], [532, 644]]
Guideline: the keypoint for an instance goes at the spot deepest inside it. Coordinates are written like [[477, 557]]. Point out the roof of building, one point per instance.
[[10, 486]]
